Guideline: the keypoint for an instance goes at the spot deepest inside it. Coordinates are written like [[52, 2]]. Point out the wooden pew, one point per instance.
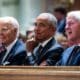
[[39, 73]]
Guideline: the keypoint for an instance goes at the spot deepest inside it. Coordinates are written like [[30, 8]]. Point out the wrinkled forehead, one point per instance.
[[42, 19], [9, 21], [5, 21], [71, 18], [6, 25]]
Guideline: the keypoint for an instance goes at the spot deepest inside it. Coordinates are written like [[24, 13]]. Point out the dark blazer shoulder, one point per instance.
[[17, 54], [74, 58], [18, 47]]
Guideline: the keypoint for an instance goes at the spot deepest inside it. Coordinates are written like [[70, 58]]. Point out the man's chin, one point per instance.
[[71, 39], [38, 39]]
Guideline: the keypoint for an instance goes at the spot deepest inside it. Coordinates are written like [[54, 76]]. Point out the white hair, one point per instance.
[[75, 14], [50, 17], [12, 21]]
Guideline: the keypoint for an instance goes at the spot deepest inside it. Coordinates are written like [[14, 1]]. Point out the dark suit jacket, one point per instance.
[[70, 57], [17, 54], [50, 53]]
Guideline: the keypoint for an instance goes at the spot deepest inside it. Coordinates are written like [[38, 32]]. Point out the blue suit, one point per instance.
[[17, 54], [70, 57], [50, 53]]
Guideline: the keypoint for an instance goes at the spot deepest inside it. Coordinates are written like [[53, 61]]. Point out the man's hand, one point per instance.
[[31, 44], [43, 63]]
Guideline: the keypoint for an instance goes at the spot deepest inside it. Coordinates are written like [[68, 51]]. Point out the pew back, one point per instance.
[[39, 73]]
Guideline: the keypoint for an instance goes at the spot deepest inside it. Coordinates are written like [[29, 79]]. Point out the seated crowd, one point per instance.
[[44, 48]]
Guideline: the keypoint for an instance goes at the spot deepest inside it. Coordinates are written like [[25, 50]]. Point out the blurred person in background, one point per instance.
[[60, 13], [62, 40], [31, 38], [22, 37], [30, 32]]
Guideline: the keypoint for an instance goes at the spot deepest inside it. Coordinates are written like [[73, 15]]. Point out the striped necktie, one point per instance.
[[2, 52], [40, 49], [75, 51]]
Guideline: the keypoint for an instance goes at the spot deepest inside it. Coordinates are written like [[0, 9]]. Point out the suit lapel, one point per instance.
[[74, 53], [42, 55], [11, 53]]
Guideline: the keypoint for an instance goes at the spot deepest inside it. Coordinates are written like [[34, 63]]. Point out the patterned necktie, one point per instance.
[[2, 52], [40, 49]]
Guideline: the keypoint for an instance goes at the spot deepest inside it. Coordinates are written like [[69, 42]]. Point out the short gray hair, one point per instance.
[[50, 17], [12, 21], [75, 14]]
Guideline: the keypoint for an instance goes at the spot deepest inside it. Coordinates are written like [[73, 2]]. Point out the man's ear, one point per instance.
[[15, 30], [53, 28]]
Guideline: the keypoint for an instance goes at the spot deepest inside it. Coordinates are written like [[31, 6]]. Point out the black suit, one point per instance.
[[50, 53], [17, 54]]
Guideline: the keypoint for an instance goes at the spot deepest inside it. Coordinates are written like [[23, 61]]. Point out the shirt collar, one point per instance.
[[78, 44], [45, 42], [11, 45]]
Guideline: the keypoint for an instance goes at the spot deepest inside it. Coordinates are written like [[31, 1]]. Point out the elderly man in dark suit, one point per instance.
[[15, 50], [71, 56], [48, 51]]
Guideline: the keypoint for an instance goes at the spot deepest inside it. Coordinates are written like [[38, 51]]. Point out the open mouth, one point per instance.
[[70, 32]]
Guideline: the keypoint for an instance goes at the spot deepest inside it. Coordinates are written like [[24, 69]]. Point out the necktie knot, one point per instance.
[[77, 48], [40, 48], [2, 49], [2, 53]]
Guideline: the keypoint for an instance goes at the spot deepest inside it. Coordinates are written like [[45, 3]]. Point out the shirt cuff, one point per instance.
[[29, 54]]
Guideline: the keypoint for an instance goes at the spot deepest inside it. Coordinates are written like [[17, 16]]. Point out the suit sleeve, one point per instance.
[[54, 57], [30, 59]]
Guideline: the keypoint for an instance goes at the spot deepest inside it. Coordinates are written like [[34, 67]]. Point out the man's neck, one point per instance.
[[77, 42]]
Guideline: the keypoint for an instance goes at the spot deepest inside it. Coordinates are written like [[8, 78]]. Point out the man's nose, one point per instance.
[[36, 28], [66, 27]]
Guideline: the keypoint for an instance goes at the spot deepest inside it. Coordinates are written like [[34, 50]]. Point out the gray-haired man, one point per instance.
[[15, 49], [45, 28]]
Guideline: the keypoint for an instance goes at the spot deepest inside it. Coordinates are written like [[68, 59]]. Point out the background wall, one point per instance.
[[27, 10]]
